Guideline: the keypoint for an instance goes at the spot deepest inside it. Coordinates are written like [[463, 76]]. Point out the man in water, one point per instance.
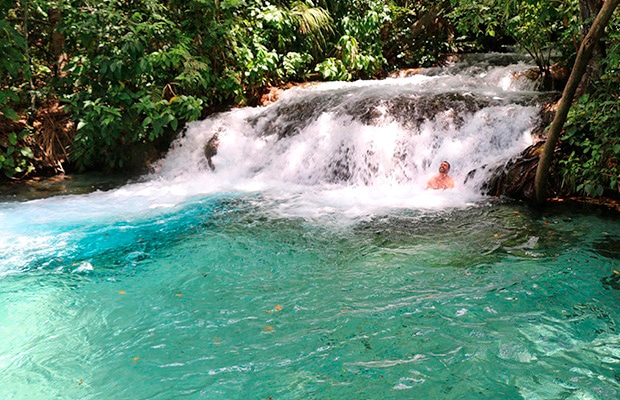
[[442, 180]]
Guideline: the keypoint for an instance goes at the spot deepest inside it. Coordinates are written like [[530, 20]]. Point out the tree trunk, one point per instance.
[[588, 10], [57, 43], [583, 56]]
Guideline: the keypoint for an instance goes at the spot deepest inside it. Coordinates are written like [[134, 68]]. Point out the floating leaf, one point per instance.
[[269, 328], [279, 308], [179, 294], [122, 292]]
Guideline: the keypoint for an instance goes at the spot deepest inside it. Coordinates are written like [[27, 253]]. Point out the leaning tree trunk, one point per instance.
[[588, 10], [583, 56]]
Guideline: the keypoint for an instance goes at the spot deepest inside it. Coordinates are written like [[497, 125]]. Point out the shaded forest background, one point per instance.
[[106, 85]]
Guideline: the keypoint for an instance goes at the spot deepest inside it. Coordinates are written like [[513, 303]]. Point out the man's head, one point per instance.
[[444, 167]]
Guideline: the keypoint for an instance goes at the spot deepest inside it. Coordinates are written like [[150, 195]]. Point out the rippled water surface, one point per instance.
[[221, 298], [306, 260]]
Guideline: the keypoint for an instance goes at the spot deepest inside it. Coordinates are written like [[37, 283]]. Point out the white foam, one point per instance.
[[387, 164], [333, 165]]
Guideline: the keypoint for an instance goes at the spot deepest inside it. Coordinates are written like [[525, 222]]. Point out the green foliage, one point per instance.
[[417, 34], [540, 26], [296, 64], [333, 69], [475, 21], [591, 142], [592, 146], [545, 29], [12, 63], [162, 64], [359, 50], [131, 79], [15, 155]]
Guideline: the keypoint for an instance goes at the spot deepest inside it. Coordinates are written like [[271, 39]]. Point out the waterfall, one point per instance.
[[329, 151], [379, 141]]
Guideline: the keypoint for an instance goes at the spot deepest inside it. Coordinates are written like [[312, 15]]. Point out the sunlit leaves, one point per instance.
[[294, 62], [333, 69]]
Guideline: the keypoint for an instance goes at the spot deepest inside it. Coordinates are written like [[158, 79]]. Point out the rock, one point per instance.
[[516, 178], [407, 72], [210, 150]]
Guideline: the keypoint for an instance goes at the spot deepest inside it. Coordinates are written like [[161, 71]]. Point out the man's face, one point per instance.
[[444, 167]]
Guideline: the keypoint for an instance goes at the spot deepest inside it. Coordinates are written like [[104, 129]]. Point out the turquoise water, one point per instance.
[[311, 263], [220, 297]]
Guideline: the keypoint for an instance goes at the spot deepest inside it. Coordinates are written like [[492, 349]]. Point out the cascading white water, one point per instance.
[[366, 144], [334, 150]]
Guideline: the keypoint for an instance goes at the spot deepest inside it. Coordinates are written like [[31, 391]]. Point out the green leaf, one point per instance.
[[13, 138], [27, 152], [10, 113]]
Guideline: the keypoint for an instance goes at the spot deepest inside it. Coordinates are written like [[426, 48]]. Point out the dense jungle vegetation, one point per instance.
[[107, 84]]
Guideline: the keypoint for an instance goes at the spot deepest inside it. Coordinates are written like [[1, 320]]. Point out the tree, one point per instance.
[[583, 57]]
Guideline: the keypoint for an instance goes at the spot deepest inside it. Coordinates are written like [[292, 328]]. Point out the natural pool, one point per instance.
[[219, 299], [287, 275]]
